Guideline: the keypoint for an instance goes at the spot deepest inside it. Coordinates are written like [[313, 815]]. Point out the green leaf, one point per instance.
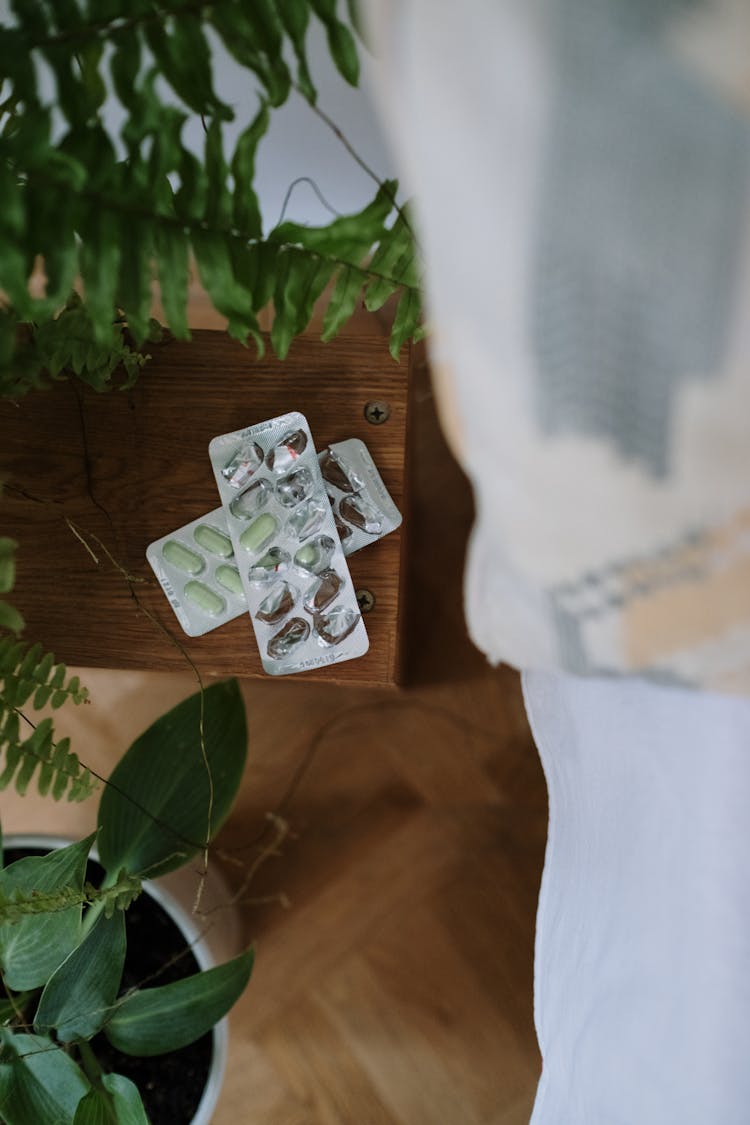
[[32, 949], [256, 268], [295, 15], [78, 996], [10, 618], [405, 322], [39, 1083], [392, 258], [228, 296], [152, 1021], [343, 301], [349, 236], [218, 203], [116, 1102], [134, 283], [172, 249], [100, 259], [301, 280], [251, 34], [246, 210], [164, 773], [340, 40], [185, 62], [344, 52]]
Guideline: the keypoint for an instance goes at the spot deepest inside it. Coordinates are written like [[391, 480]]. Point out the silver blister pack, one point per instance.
[[196, 568], [291, 563], [362, 505]]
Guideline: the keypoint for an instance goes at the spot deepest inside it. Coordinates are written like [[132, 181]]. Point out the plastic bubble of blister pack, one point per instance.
[[198, 573], [290, 559], [363, 508]]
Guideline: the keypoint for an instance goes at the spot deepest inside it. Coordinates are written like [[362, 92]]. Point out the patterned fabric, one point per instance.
[[581, 175]]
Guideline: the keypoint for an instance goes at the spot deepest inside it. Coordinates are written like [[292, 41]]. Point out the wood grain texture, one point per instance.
[[126, 468]]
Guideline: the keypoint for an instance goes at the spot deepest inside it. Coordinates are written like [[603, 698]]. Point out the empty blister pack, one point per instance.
[[290, 559], [363, 508], [197, 571]]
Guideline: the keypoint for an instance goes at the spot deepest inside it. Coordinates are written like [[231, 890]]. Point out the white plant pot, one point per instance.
[[174, 895]]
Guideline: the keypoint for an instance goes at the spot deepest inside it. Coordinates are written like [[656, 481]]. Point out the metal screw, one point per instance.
[[377, 412], [365, 600]]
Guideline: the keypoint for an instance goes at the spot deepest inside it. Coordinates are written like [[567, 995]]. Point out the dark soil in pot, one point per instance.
[[170, 1085]]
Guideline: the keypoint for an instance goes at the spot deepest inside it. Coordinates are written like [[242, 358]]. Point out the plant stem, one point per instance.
[[91, 1065]]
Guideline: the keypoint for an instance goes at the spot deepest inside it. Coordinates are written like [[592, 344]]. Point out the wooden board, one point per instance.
[[125, 468]]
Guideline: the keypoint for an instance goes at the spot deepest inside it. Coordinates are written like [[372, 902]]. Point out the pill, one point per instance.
[[212, 540], [229, 578], [182, 557], [259, 532], [205, 598], [316, 555]]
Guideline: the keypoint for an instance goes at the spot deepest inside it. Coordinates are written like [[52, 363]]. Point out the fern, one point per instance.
[[121, 221], [28, 674], [19, 904]]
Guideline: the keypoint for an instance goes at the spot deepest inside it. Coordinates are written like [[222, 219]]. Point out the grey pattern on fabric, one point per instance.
[[643, 185]]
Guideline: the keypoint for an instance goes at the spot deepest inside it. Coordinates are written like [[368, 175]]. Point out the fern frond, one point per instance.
[[19, 904], [116, 223], [28, 673]]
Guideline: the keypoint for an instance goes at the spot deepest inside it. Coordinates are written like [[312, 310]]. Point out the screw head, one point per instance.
[[377, 412], [365, 600]]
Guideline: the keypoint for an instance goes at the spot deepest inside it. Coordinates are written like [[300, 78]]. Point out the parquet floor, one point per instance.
[[394, 926]]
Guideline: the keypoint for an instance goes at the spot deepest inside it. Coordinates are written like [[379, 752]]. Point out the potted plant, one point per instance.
[[75, 1034]]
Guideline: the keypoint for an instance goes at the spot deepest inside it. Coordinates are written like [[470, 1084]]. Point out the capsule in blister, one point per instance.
[[260, 532], [205, 598], [243, 464], [294, 633], [213, 540], [229, 578], [322, 592], [307, 519], [272, 563], [334, 626], [277, 604], [338, 472], [177, 554], [316, 555], [295, 487], [250, 502], [359, 512], [286, 451]]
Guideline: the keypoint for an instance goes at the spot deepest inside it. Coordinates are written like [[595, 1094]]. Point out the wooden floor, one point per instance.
[[394, 926]]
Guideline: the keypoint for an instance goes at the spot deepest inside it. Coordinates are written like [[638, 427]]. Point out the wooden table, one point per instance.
[[103, 475]]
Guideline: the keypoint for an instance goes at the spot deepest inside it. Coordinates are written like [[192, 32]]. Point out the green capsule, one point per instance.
[[182, 557], [229, 578], [212, 540], [259, 533], [205, 598]]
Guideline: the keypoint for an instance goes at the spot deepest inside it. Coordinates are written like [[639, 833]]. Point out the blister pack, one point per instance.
[[197, 571], [289, 557], [362, 506]]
